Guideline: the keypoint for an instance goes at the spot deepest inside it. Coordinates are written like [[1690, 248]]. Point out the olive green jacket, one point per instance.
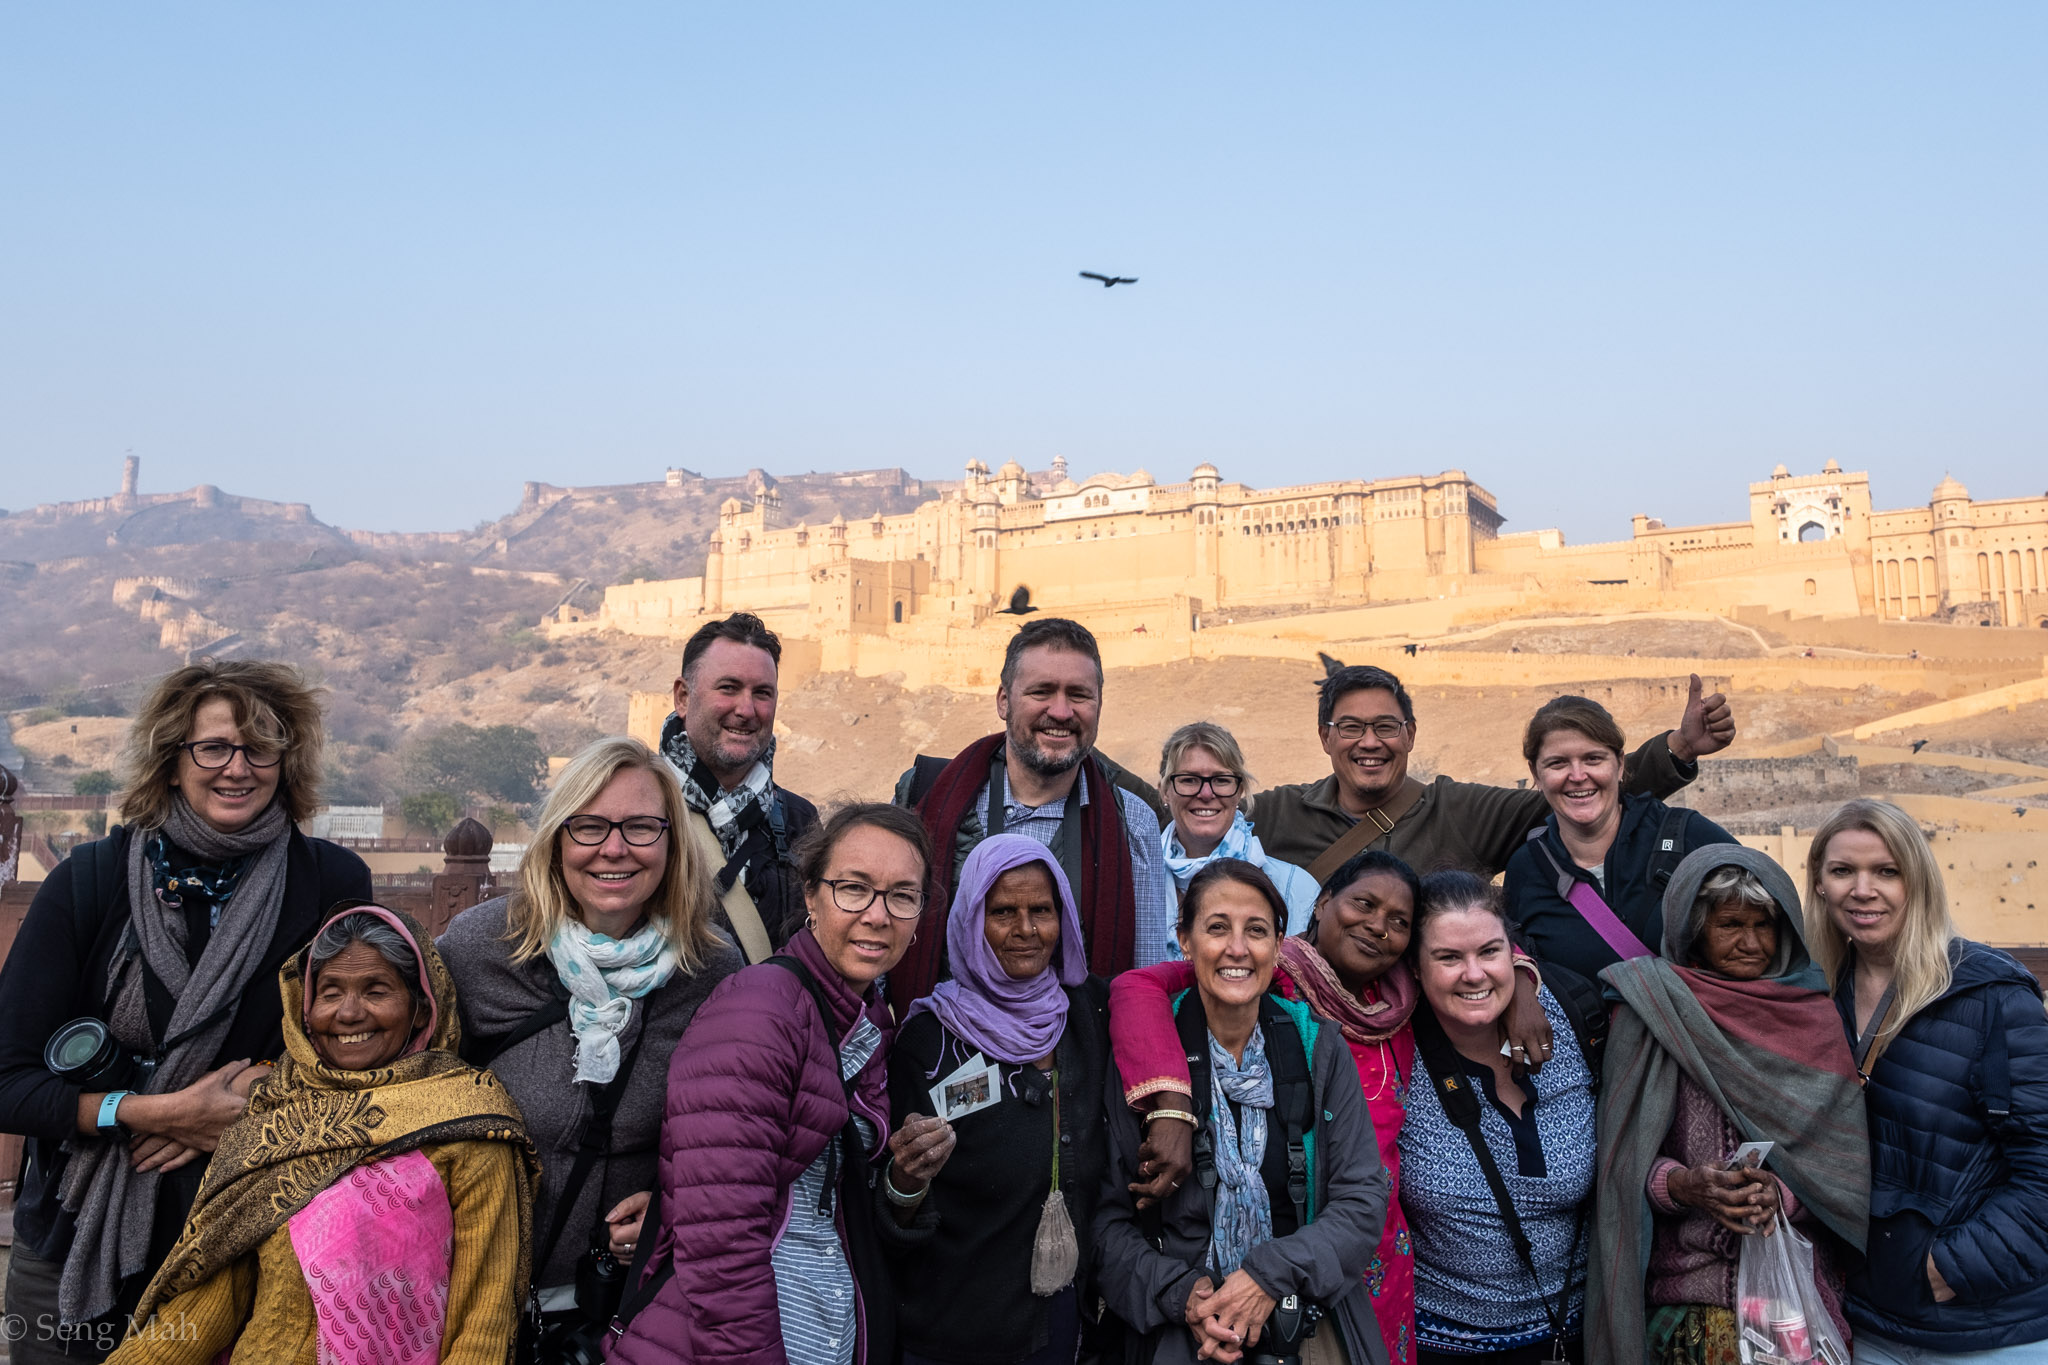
[[1466, 825]]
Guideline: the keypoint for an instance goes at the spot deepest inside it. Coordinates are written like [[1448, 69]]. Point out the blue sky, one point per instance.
[[395, 259]]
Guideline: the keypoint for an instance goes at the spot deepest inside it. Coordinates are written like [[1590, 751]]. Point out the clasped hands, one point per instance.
[[1225, 1321]]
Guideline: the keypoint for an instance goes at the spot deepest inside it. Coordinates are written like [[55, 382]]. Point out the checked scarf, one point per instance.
[[731, 814]]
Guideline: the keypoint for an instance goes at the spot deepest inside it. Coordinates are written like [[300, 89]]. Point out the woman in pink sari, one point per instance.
[[374, 1202], [1348, 967]]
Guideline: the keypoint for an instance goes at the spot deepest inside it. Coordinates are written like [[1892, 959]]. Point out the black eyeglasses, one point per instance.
[[218, 753], [637, 830], [1351, 730], [1189, 784], [855, 898]]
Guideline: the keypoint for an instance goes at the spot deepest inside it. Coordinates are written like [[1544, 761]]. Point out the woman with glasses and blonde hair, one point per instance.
[[574, 989], [141, 988], [1952, 1044], [779, 1157], [1207, 790]]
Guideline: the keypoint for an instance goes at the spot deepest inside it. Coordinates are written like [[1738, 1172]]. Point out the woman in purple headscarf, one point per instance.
[[1013, 1050]]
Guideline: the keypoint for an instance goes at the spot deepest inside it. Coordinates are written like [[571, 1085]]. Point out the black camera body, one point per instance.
[[86, 1054], [578, 1338], [1292, 1322]]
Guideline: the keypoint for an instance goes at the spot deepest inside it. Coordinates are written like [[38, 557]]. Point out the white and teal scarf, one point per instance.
[[604, 976], [1242, 1217], [1238, 842]]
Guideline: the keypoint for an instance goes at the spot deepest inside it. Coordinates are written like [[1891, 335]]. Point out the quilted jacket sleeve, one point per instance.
[[730, 1146], [2002, 1248]]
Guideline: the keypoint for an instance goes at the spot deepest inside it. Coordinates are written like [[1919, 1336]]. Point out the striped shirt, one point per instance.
[[814, 1289]]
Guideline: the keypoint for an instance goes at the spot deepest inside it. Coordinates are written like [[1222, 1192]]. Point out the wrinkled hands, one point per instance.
[[918, 1150], [1225, 1321], [1744, 1200], [1528, 1027], [1166, 1158], [1707, 727], [176, 1129]]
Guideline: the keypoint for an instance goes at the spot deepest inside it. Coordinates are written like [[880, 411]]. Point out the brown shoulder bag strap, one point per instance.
[[1377, 824]]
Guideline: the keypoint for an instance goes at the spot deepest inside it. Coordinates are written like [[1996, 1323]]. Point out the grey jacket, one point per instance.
[[1326, 1261], [493, 994]]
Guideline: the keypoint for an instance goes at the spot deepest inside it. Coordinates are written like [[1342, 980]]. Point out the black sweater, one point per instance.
[[57, 972], [1551, 927], [966, 1288]]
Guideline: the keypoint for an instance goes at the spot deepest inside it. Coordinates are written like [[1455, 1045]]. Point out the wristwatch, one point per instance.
[[110, 1104]]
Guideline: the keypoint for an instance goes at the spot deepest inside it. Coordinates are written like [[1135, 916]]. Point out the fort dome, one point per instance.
[[1205, 470], [1011, 470], [1949, 489]]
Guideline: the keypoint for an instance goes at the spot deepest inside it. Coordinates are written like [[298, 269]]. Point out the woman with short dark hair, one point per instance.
[[777, 1152], [1586, 890], [168, 933], [1290, 1195]]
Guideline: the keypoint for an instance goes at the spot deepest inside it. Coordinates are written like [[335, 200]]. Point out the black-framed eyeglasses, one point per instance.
[[218, 753], [1190, 784], [637, 830], [1351, 730], [855, 898]]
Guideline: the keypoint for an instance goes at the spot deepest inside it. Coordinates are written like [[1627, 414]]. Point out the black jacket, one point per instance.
[[966, 1287], [1551, 927], [57, 972], [1949, 1174], [771, 876]]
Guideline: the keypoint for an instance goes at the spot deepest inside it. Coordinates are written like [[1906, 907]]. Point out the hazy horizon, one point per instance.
[[393, 261]]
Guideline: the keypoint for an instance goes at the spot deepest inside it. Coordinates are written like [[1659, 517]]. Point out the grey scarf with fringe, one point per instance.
[[115, 1208]]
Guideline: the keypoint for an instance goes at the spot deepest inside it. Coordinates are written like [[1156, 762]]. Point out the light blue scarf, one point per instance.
[[1243, 1215], [604, 976], [1238, 842]]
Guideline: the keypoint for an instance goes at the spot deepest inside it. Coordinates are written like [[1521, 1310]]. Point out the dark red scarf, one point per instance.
[[1109, 912]]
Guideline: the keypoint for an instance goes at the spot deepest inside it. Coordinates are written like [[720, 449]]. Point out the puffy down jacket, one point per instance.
[[1950, 1175]]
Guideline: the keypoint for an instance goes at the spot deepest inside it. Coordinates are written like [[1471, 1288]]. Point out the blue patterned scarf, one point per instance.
[[1243, 1214]]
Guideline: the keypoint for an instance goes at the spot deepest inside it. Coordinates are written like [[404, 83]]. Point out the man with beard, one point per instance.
[[1367, 725], [1039, 777], [721, 742]]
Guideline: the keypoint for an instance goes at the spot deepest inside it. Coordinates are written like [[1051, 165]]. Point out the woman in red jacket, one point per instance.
[[773, 1165]]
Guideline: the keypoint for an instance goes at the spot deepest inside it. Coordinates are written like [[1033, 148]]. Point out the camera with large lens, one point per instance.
[[86, 1054], [1292, 1322]]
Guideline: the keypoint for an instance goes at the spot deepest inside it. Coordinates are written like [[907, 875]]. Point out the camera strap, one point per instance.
[[1461, 1106], [597, 1142]]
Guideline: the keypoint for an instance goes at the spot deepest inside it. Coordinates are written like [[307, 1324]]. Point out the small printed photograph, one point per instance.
[[970, 1093]]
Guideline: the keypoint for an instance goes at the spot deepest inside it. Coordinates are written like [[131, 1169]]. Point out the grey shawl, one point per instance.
[[494, 994], [1769, 1052], [114, 1206]]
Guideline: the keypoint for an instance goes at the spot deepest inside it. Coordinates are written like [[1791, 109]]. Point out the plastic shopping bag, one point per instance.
[[1778, 1310]]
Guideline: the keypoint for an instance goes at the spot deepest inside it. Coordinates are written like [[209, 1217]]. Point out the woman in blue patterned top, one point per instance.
[[1478, 1297]]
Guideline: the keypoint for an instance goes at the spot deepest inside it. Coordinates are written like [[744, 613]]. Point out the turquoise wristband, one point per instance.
[[109, 1105]]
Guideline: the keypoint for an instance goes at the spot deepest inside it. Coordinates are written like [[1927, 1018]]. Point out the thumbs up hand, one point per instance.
[[1707, 727]]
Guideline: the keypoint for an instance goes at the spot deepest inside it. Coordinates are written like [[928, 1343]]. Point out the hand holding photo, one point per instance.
[[974, 1086]]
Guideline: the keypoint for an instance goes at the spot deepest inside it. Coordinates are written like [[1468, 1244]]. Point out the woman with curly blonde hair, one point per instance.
[[146, 965], [1951, 1041], [575, 988]]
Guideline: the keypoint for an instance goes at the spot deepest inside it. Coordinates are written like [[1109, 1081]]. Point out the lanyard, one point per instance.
[[1867, 1039]]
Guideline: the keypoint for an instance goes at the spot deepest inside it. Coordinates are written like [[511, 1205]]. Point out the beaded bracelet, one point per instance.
[[1183, 1115]]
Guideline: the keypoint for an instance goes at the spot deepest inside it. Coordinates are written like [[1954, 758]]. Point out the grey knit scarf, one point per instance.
[[115, 1208], [731, 814]]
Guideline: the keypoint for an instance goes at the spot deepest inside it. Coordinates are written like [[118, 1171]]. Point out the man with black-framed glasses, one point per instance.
[[1367, 724]]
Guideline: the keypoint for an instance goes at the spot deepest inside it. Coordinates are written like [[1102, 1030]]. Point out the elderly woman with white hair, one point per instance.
[[1207, 790], [574, 990]]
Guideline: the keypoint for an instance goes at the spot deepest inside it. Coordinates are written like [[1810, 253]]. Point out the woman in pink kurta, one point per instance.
[[1348, 968]]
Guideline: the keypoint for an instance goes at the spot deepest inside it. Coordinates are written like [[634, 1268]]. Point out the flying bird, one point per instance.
[[2019, 810], [1109, 280], [1020, 603], [1330, 665], [1918, 745]]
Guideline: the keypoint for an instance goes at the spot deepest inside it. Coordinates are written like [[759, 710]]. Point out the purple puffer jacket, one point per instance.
[[753, 1097]]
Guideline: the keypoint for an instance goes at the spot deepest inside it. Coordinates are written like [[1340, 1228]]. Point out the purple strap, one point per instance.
[[1590, 906], [1605, 922]]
